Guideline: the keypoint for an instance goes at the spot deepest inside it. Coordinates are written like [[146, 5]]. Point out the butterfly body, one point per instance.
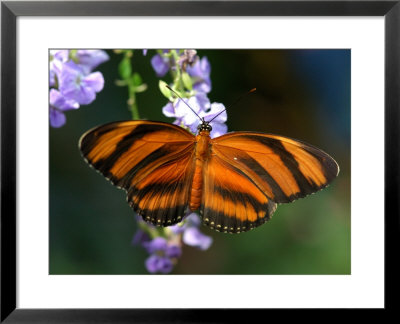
[[235, 180], [202, 149]]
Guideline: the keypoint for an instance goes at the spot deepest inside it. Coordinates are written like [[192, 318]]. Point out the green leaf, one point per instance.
[[187, 81], [125, 68], [136, 79], [164, 90]]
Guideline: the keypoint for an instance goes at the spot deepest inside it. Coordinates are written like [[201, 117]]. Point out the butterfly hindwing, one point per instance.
[[283, 168], [231, 201], [152, 161], [162, 196]]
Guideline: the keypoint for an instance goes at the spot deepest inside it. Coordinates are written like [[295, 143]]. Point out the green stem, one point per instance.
[[131, 82], [147, 229], [153, 232], [133, 104], [176, 75]]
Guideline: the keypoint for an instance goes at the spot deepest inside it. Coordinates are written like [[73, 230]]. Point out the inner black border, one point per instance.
[[10, 10]]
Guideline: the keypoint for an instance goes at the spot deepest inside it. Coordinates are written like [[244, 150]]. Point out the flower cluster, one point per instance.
[[162, 255], [165, 250], [192, 81], [72, 82]]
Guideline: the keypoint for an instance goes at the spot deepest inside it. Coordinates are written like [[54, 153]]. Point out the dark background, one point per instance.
[[304, 94]]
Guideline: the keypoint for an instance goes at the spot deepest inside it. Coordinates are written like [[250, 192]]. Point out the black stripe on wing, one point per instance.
[[229, 208], [307, 186]]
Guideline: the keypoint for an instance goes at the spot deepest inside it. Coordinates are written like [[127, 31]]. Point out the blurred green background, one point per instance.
[[304, 94]]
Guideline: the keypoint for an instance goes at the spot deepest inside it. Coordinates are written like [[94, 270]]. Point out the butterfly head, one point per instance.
[[204, 126]]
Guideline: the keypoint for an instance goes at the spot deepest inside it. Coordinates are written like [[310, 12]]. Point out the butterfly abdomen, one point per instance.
[[197, 186], [202, 155]]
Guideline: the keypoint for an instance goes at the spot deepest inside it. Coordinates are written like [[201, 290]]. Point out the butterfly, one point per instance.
[[235, 180]]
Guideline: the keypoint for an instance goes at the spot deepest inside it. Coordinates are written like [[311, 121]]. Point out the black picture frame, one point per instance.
[[10, 10]]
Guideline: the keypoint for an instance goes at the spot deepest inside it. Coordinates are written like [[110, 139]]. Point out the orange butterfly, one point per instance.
[[235, 180]]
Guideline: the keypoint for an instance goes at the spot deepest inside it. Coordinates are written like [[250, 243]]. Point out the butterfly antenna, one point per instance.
[[234, 103], [183, 101]]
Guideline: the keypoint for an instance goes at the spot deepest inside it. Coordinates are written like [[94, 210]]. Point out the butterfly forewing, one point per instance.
[[152, 161], [283, 168]]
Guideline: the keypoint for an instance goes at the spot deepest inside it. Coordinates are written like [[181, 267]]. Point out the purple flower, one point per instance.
[[158, 244], [191, 234], [164, 251], [182, 112], [75, 84], [144, 52], [59, 104], [55, 70], [200, 72], [190, 220], [57, 59], [178, 228], [57, 118], [193, 237], [193, 220], [60, 55], [161, 255], [90, 59], [160, 65], [72, 84], [156, 263], [187, 58], [201, 105], [140, 237], [218, 124], [173, 251]]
